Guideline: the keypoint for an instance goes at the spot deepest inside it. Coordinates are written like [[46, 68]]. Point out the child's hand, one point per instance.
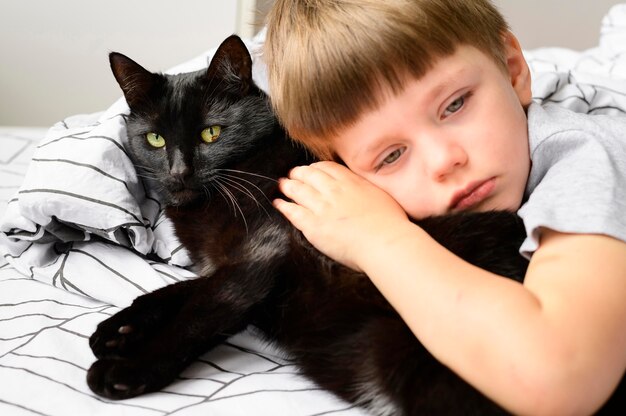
[[341, 214]]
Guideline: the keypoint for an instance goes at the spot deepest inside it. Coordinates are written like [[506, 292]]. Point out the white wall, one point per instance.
[[573, 24], [53, 53]]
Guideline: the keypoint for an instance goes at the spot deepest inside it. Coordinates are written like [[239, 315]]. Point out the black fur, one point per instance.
[[256, 269]]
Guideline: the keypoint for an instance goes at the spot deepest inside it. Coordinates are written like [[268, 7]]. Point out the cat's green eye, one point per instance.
[[155, 140], [210, 134]]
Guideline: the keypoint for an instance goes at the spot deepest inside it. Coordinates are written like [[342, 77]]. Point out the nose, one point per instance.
[[443, 157], [179, 169]]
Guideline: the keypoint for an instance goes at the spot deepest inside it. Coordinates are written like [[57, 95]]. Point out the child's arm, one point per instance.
[[555, 345]]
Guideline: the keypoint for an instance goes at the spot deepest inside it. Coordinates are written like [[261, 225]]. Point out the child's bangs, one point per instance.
[[333, 91]]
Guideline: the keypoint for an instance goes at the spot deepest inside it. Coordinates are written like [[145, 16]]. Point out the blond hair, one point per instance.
[[331, 60]]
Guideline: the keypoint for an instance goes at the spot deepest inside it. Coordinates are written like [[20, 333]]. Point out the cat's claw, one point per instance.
[[125, 329], [119, 342], [114, 340]]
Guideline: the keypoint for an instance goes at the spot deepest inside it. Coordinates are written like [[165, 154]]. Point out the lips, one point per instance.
[[472, 195]]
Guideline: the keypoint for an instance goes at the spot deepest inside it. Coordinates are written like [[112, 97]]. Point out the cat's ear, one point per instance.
[[232, 59], [135, 81]]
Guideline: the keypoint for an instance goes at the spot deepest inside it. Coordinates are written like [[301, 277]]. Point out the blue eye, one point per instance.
[[456, 105], [391, 158]]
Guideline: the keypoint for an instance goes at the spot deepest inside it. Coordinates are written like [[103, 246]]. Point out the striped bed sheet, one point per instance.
[[44, 328], [81, 236]]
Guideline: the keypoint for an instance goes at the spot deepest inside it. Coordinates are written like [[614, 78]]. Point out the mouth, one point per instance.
[[183, 196], [472, 195]]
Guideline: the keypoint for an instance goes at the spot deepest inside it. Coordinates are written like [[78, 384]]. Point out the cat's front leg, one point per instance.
[[131, 346], [217, 307]]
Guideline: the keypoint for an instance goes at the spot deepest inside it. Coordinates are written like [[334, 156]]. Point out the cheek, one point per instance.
[[414, 197], [420, 209], [515, 143], [505, 138], [522, 163], [389, 184]]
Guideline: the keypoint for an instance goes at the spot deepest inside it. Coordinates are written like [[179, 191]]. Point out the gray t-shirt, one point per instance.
[[577, 181]]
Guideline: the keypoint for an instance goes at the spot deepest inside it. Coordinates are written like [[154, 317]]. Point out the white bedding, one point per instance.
[[81, 237]]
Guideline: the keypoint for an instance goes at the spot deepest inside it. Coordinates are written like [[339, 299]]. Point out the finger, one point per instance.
[[297, 215], [337, 171], [301, 193], [314, 175]]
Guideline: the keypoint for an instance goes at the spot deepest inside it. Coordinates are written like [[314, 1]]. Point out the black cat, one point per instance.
[[212, 145]]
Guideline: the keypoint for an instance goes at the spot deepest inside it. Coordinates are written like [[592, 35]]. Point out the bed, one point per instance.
[[81, 236]]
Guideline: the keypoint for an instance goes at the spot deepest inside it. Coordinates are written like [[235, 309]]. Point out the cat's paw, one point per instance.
[[117, 336], [118, 378], [127, 332]]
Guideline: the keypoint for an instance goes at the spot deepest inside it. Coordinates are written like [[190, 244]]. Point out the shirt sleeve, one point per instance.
[[577, 185]]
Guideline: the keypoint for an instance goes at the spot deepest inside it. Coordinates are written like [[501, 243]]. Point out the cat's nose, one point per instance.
[[179, 169], [180, 173]]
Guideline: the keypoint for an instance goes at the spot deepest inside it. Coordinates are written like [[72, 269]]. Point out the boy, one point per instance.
[[428, 104]]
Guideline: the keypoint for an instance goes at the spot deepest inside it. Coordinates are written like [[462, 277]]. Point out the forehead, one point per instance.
[[464, 61]]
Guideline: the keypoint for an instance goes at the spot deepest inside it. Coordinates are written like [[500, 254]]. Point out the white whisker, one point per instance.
[[248, 182], [234, 200], [233, 180], [240, 188], [249, 173], [227, 197]]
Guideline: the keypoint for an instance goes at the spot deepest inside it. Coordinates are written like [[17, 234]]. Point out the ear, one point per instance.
[[135, 81], [518, 69], [232, 59]]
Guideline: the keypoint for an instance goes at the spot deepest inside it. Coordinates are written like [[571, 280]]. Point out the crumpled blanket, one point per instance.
[[83, 220]]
